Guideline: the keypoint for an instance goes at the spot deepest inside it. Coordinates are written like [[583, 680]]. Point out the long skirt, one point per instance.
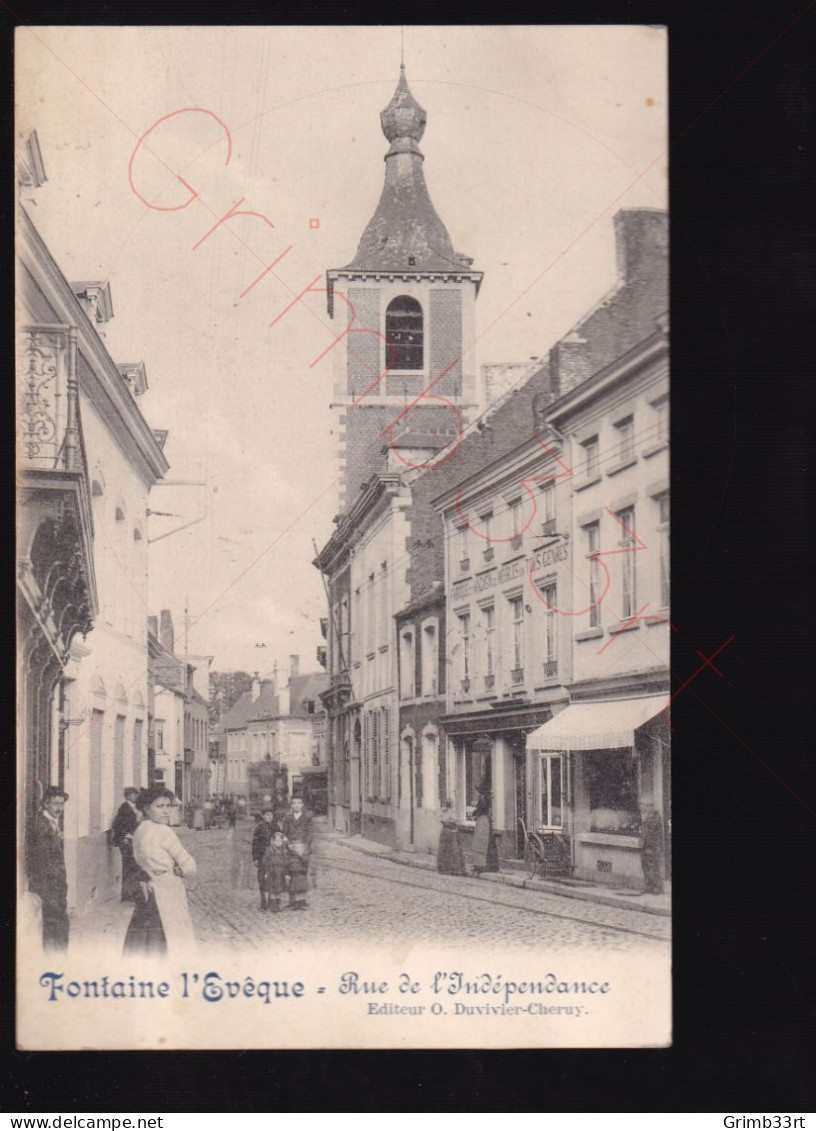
[[485, 854], [162, 923], [450, 859], [145, 934]]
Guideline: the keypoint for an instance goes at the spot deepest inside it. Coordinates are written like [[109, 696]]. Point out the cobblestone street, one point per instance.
[[358, 897]]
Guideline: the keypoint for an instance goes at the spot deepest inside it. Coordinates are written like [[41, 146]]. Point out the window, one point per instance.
[[460, 547], [625, 431], [514, 508], [486, 530], [611, 778], [548, 508], [95, 773], [464, 647], [403, 334], [407, 663], [430, 659], [592, 460], [661, 419], [663, 547], [385, 753], [517, 614], [136, 776], [118, 758], [626, 518], [489, 629], [160, 736], [551, 790], [593, 540], [550, 596]]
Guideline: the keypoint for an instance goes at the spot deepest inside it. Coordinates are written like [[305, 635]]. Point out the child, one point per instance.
[[272, 872]]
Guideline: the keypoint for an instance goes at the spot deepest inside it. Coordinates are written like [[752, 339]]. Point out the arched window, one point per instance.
[[403, 334]]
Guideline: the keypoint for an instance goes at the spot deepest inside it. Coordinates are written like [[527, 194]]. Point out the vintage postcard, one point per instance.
[[343, 537]]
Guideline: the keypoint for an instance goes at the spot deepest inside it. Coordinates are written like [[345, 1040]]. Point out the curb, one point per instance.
[[509, 879]]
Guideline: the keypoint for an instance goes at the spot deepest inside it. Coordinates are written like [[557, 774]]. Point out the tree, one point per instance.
[[226, 688]]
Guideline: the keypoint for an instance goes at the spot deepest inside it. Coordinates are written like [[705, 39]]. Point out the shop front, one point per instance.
[[599, 767], [487, 752]]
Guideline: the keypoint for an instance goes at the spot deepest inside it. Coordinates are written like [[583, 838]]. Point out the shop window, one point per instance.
[[477, 773], [404, 334], [551, 790], [611, 778]]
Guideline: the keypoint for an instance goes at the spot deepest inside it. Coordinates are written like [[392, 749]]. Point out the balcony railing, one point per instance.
[[517, 676], [490, 682], [550, 669], [489, 554], [464, 565], [515, 542], [48, 432]]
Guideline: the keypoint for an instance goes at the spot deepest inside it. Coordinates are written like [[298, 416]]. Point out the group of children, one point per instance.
[[281, 846]]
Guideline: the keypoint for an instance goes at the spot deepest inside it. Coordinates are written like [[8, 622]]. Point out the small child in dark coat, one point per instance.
[[272, 871]]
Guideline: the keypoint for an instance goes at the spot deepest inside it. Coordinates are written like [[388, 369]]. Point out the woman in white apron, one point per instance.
[[161, 920]]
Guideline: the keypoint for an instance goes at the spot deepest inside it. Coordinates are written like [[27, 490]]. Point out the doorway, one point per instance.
[[520, 797], [407, 786]]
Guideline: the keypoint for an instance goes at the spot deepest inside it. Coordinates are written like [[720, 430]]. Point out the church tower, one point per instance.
[[409, 300]]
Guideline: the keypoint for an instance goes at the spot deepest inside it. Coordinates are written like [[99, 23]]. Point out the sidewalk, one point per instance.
[[571, 889]]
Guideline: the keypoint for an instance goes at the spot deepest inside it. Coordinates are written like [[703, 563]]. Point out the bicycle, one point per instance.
[[545, 853]]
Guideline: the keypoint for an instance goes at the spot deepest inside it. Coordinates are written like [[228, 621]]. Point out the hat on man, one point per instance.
[[131, 791], [54, 791]]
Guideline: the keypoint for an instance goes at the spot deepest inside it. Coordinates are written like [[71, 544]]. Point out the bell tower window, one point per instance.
[[404, 334]]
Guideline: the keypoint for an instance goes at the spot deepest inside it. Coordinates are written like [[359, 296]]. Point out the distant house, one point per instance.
[[279, 720]]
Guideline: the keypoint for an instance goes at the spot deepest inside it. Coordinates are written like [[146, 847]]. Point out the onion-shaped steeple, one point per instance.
[[405, 234]]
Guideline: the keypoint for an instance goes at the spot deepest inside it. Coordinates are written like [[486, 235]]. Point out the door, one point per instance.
[[520, 795], [406, 795]]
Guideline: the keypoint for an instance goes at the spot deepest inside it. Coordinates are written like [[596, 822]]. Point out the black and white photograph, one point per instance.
[[343, 537]]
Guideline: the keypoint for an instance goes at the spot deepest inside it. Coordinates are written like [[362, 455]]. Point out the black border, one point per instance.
[[743, 127]]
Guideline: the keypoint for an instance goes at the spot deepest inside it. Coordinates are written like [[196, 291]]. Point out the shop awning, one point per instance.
[[597, 726]]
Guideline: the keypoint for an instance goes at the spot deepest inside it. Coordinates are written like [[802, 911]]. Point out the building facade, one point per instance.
[[611, 747], [274, 722], [82, 556]]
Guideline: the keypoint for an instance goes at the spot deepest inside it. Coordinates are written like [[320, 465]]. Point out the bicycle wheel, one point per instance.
[[532, 857]]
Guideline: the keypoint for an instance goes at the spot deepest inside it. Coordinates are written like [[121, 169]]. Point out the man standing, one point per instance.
[[651, 849], [46, 869], [124, 826], [297, 829]]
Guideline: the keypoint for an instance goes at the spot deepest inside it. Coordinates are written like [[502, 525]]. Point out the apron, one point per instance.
[[171, 900]]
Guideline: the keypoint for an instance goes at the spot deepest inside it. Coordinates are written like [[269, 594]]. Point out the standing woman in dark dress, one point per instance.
[[161, 919], [485, 855]]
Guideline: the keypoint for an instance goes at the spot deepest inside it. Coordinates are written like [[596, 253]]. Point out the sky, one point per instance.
[[536, 136]]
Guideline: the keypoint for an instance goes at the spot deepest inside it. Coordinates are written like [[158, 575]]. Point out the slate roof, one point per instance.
[[267, 705], [405, 233]]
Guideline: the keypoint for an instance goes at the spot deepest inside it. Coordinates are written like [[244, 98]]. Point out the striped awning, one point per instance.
[[609, 725]]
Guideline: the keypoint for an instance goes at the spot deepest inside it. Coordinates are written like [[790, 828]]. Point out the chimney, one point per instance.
[[294, 667], [256, 686], [166, 635], [153, 626], [641, 245]]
